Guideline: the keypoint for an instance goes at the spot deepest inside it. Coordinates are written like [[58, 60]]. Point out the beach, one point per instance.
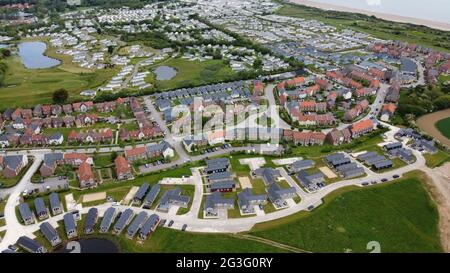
[[389, 17]]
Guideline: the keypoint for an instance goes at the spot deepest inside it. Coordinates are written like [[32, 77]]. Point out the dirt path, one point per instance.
[[427, 124], [269, 242], [439, 186]]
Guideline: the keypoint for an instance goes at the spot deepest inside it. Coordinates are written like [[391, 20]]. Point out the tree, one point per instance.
[[110, 49], [6, 53], [60, 96], [113, 156]]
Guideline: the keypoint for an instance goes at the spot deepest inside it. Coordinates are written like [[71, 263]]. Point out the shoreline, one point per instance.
[[384, 16]]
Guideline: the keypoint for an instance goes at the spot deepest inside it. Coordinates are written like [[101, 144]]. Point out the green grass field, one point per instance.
[[401, 216], [444, 127], [379, 28], [194, 73], [437, 159], [28, 87]]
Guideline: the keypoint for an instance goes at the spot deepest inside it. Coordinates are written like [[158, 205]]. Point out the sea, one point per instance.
[[433, 10]]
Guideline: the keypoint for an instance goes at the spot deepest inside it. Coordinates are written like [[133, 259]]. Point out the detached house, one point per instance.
[[12, 165], [86, 176], [123, 168]]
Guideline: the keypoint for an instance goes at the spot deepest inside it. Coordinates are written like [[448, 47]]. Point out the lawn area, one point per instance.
[[379, 28], [194, 73], [437, 159], [26, 87], [401, 216], [443, 126], [103, 161]]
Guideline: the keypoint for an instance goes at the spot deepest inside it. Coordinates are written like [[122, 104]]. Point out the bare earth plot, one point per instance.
[[94, 197], [245, 182], [130, 195], [427, 124], [329, 173], [254, 163]]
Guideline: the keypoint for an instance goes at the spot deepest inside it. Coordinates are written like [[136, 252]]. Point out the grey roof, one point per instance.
[[54, 200], [345, 167], [160, 147], [375, 159], [225, 184], [108, 217], [12, 161], [149, 224], [246, 196], [25, 211], [275, 192], [141, 192], [55, 136], [217, 164], [173, 195], [91, 218], [348, 173], [49, 232], [28, 243], [394, 145], [152, 194], [269, 175], [220, 176], [137, 223], [69, 222], [39, 205], [123, 220], [302, 164], [383, 164], [309, 179], [50, 159], [216, 199], [408, 65]]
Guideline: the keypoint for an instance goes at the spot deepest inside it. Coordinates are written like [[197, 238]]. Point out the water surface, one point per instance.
[[32, 55], [165, 73]]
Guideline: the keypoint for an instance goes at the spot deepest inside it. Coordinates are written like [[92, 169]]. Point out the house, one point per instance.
[[76, 159], [51, 161], [392, 146], [56, 139], [247, 201], [268, 175], [41, 209], [91, 220], [13, 165], [189, 142], [136, 224], [427, 145], [124, 220], [108, 219], [217, 137], [278, 196], [140, 194], [55, 204], [85, 176], [136, 154], [301, 165], [337, 159], [216, 165], [26, 214], [313, 181], [123, 168], [173, 198], [161, 149], [50, 234], [387, 112], [337, 137], [361, 128], [31, 245], [149, 226], [214, 202], [151, 196], [70, 226]]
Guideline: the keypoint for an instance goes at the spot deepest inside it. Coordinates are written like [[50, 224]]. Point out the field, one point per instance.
[[443, 126], [28, 87], [437, 159], [377, 27], [400, 216], [428, 123], [194, 73]]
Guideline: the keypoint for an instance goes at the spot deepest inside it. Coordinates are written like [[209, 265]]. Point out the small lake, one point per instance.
[[91, 245], [164, 73], [4, 45], [32, 55]]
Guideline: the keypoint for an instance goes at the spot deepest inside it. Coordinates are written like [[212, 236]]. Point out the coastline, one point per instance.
[[384, 16]]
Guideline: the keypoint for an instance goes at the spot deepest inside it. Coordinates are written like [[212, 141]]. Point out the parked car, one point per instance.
[[184, 227], [170, 223], [311, 207], [396, 176], [365, 183], [384, 180], [162, 222]]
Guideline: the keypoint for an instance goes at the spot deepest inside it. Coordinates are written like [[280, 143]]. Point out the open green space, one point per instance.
[[436, 160], [194, 73], [401, 216], [443, 126], [379, 28]]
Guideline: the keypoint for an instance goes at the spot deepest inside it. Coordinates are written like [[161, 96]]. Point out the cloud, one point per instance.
[[373, 2]]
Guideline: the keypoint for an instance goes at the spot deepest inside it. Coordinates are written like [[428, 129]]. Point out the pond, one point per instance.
[[91, 245], [32, 55], [164, 73]]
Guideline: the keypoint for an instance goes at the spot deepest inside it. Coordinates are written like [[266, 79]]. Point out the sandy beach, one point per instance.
[[389, 17]]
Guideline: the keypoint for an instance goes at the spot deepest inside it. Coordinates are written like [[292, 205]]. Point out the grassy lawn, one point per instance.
[[377, 27], [194, 73], [437, 159], [401, 216], [444, 127], [103, 161], [2, 222], [26, 87]]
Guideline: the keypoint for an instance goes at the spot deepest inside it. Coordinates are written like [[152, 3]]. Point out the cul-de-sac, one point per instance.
[[221, 126]]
